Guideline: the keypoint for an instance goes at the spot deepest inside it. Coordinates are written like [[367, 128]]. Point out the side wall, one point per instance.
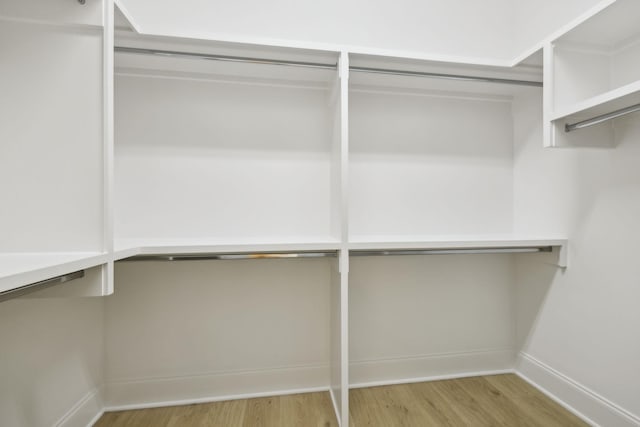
[[577, 329], [211, 330], [51, 361]]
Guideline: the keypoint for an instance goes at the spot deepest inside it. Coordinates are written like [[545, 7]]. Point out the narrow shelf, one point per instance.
[[607, 102], [21, 269], [130, 248], [444, 243]]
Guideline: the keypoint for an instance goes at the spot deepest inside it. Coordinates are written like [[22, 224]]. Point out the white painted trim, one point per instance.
[[431, 378], [96, 418], [430, 367], [129, 17], [85, 412], [335, 406], [216, 386], [573, 396], [212, 399]]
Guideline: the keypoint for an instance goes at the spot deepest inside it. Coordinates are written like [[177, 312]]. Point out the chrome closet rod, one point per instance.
[[601, 118], [38, 286], [445, 76], [227, 58], [233, 256], [452, 251]]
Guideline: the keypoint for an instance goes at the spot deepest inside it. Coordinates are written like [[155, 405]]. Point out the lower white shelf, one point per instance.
[[21, 269], [129, 248], [362, 244], [462, 244]]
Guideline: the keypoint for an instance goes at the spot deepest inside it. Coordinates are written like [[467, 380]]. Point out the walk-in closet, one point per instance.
[[340, 214]]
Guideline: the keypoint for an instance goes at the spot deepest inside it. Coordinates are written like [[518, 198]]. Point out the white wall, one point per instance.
[[218, 154], [419, 316], [429, 164], [437, 27], [54, 147], [582, 322], [52, 361], [202, 329]]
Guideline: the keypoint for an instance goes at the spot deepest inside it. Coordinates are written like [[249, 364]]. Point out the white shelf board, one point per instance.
[[614, 25], [607, 102], [128, 248], [458, 242], [20, 269]]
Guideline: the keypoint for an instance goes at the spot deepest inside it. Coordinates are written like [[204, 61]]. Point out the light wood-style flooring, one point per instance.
[[498, 400]]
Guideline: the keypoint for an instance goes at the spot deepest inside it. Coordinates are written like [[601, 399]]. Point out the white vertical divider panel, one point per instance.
[[108, 135], [547, 95], [339, 282]]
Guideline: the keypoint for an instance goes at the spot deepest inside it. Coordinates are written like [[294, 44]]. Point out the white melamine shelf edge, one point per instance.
[[195, 248], [600, 101], [73, 26], [21, 269], [456, 243], [442, 243]]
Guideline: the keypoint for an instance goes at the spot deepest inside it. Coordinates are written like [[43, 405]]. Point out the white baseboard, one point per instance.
[[85, 412], [371, 373], [156, 392], [576, 398]]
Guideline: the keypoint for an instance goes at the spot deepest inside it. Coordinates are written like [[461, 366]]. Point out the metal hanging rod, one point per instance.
[[38, 286], [602, 118], [233, 256], [227, 58], [453, 251], [252, 60], [445, 76]]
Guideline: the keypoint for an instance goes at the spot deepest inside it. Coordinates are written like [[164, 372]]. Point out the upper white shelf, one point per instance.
[[615, 99], [21, 269]]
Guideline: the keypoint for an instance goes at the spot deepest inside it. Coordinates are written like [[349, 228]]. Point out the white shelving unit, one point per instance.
[[19, 270], [224, 151], [224, 148], [236, 156], [53, 150], [592, 70]]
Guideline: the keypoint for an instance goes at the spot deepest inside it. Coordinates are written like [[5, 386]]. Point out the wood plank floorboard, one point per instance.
[[497, 400]]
